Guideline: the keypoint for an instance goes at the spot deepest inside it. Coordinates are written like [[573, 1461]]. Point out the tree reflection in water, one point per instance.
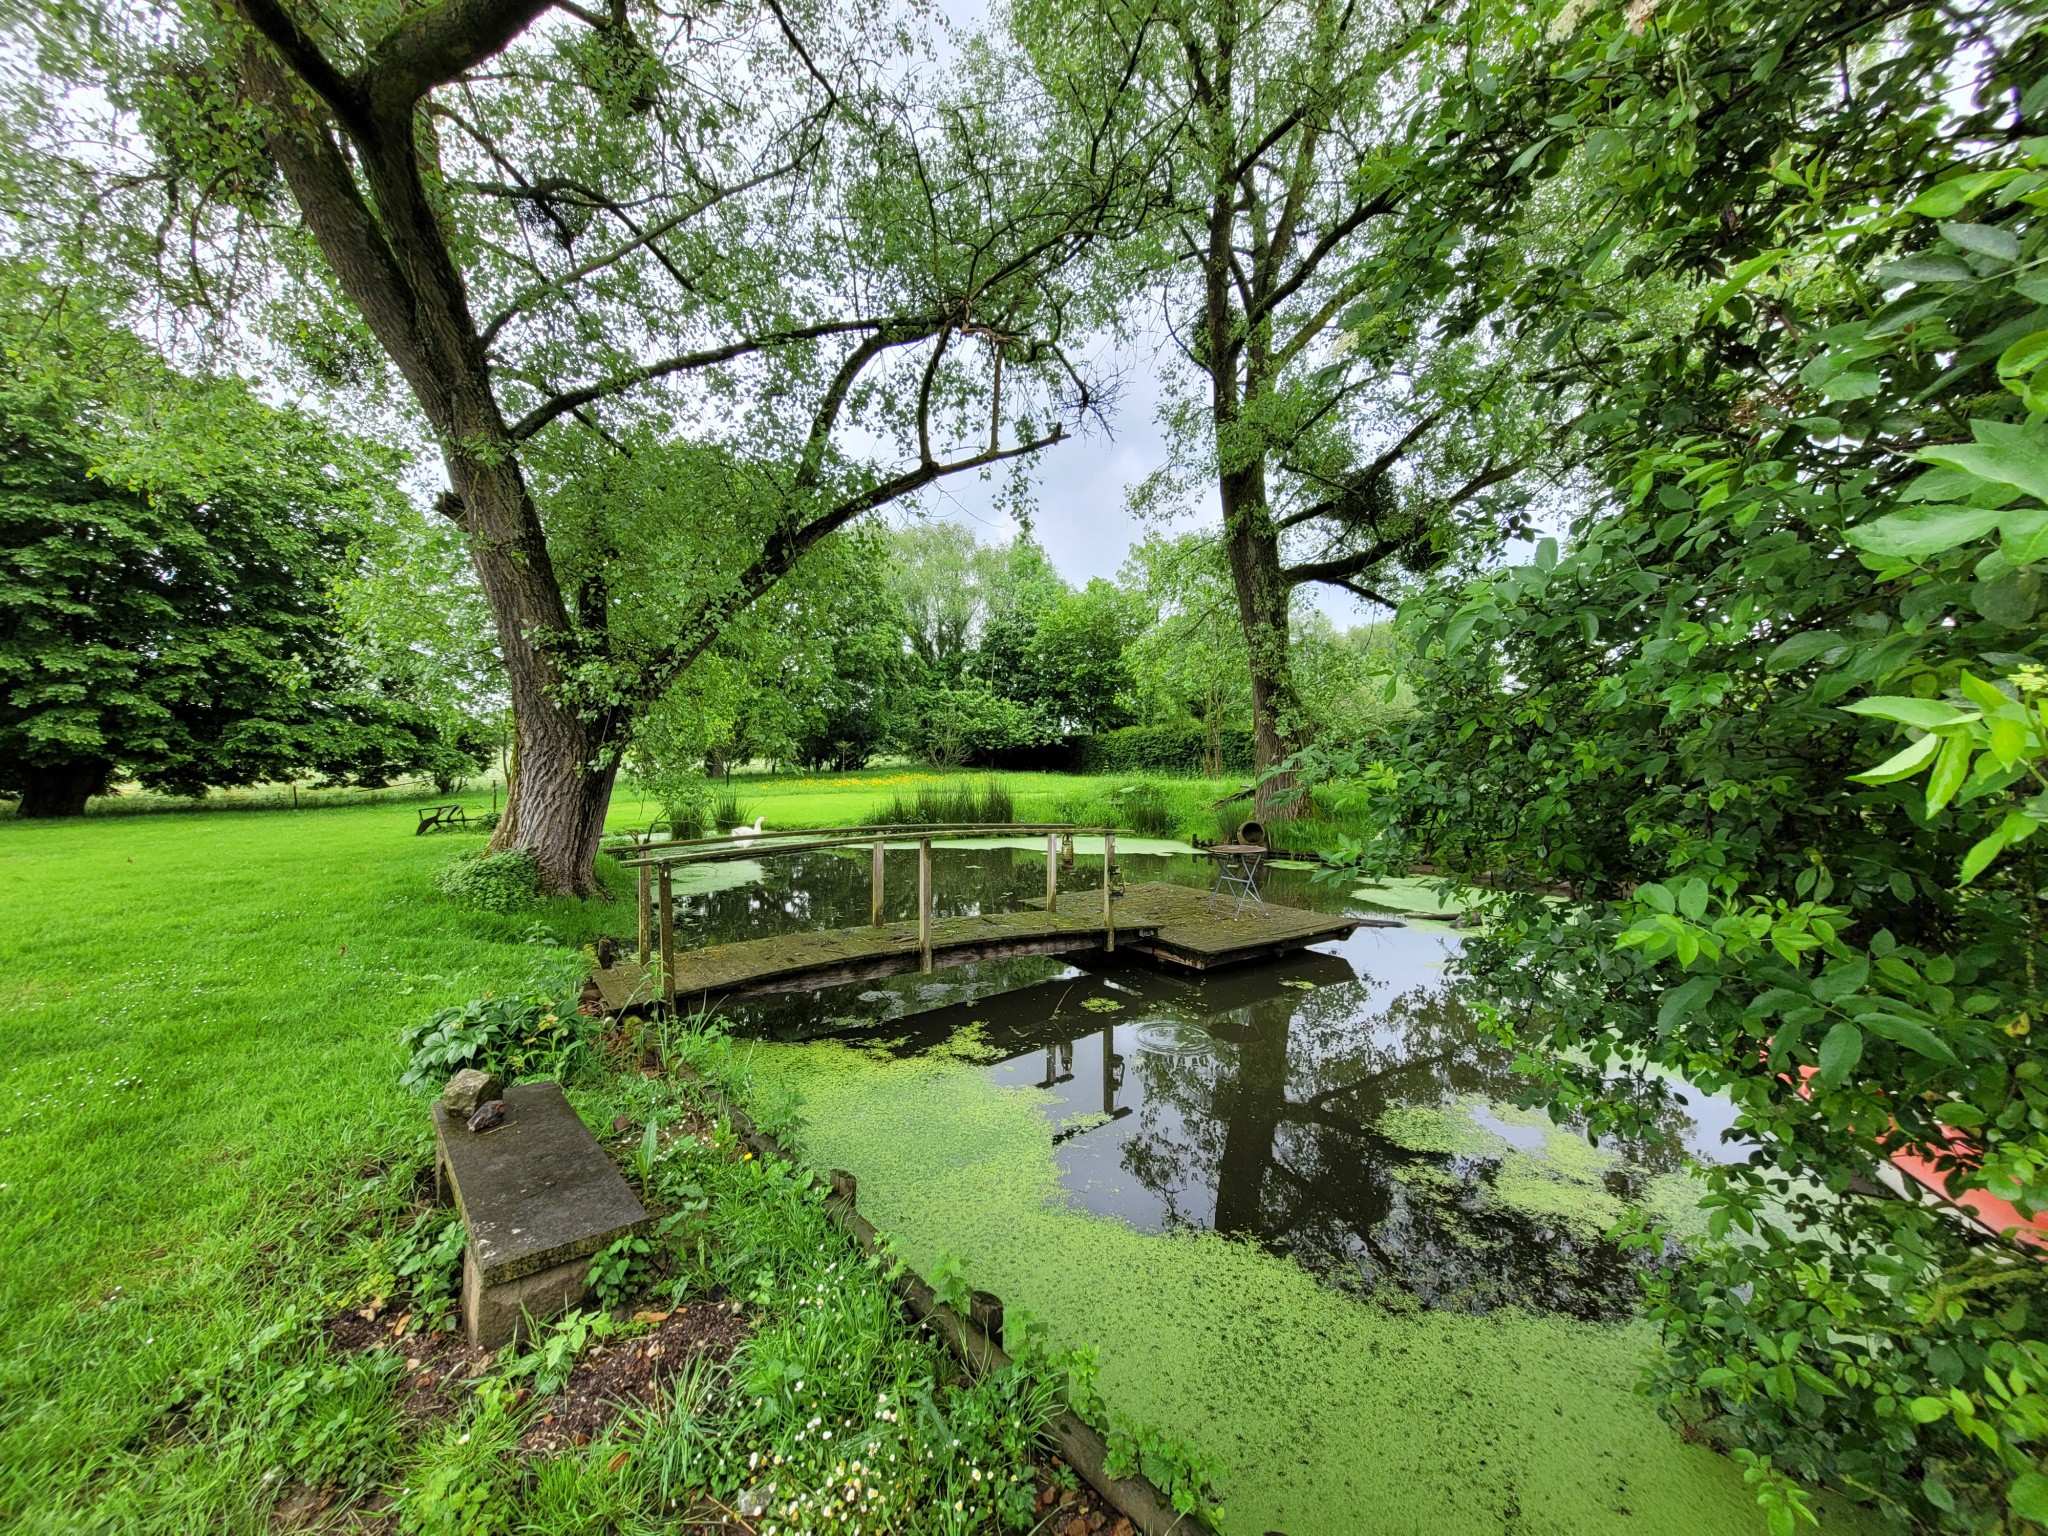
[[1262, 1101]]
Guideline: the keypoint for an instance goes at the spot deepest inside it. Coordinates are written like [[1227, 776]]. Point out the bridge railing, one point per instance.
[[655, 863]]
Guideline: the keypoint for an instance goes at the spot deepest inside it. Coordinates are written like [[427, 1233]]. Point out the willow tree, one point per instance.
[[575, 237], [1287, 217]]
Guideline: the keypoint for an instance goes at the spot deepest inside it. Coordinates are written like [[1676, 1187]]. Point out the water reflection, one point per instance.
[[1339, 1106]]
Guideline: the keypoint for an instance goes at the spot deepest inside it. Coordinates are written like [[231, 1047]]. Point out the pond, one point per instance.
[[1291, 1204]]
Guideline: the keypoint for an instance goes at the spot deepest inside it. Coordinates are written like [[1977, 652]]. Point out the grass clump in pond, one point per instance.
[[1323, 1414]]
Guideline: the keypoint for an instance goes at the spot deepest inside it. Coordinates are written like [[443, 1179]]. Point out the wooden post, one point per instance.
[[875, 901], [666, 915], [1052, 872], [646, 911], [1108, 864], [924, 904]]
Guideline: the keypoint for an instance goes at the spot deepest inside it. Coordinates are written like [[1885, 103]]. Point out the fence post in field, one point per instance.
[[924, 904]]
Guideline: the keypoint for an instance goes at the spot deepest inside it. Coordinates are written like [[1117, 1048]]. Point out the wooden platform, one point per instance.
[[803, 962], [1188, 929], [1172, 923]]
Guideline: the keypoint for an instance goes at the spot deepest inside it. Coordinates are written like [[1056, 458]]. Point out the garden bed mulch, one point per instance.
[[621, 1373], [1074, 1511], [438, 1365]]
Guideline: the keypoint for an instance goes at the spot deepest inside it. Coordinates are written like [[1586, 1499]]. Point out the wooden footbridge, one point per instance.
[[1172, 923]]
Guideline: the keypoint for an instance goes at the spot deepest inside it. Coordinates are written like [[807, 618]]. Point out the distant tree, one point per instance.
[[167, 548]]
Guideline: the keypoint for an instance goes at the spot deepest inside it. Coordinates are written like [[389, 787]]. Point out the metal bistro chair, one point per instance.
[[1237, 869]]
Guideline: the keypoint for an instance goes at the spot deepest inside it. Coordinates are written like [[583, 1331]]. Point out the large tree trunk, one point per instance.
[[1253, 547], [567, 761], [63, 790]]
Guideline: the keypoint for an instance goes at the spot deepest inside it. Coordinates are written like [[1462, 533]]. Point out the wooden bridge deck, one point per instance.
[[1172, 923], [1188, 929], [802, 962]]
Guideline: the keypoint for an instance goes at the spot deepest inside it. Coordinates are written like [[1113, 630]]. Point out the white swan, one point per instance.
[[753, 831]]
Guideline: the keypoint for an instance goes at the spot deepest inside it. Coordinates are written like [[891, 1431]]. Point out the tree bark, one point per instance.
[[1253, 548], [62, 790]]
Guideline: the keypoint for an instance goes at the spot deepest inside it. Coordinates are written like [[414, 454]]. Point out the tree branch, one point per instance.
[[304, 58], [432, 46], [682, 362]]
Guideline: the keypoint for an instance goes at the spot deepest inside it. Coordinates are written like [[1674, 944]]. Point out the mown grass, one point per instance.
[[1166, 807], [200, 1019], [204, 1152]]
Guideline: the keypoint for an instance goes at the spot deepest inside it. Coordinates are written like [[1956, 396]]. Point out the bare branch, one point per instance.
[[682, 362]]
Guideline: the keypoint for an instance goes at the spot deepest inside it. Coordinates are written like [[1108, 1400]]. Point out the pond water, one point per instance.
[[1290, 1206], [1338, 1106]]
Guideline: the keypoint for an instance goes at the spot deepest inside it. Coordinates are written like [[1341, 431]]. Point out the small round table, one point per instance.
[[1237, 874]]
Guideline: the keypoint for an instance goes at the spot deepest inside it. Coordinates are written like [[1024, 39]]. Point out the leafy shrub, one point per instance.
[[1180, 749], [514, 1036], [551, 1359], [951, 802], [487, 821], [490, 882]]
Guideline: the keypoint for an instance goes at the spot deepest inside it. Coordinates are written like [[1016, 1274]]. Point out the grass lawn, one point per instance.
[[205, 1157], [855, 798], [200, 1017]]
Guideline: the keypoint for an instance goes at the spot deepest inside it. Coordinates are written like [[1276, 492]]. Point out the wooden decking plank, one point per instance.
[[784, 962], [1192, 929], [1174, 923]]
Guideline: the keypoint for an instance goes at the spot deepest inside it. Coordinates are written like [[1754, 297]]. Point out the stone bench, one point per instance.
[[539, 1197]]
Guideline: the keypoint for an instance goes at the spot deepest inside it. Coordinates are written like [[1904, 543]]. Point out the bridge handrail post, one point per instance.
[[1108, 865], [666, 915], [875, 900], [646, 913], [924, 904], [1052, 873]]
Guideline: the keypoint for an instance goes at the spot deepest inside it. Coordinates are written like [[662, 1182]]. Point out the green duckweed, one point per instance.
[[1327, 1414]]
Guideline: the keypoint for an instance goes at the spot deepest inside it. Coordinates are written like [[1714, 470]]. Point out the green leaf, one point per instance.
[[1901, 765], [2023, 535], [1912, 1034], [1801, 649], [1924, 269], [2025, 355], [1919, 532], [2028, 1497], [1983, 240], [1682, 1000], [1852, 386], [1951, 767], [1692, 898], [1949, 197], [2017, 827], [1928, 714], [2012, 455], [1925, 1410], [1839, 1053]]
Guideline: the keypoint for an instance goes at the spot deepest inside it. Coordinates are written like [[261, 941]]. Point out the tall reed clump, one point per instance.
[[727, 812], [951, 802]]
